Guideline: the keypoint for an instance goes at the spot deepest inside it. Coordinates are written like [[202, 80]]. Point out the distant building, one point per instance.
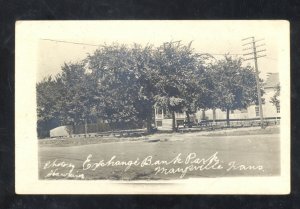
[[164, 121]]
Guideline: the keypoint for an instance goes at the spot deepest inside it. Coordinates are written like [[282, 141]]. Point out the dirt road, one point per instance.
[[174, 158]]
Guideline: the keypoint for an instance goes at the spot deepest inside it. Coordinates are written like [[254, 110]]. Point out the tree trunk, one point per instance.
[[111, 125], [85, 128], [173, 122], [148, 123], [203, 115], [227, 117], [73, 128], [214, 115], [188, 119]]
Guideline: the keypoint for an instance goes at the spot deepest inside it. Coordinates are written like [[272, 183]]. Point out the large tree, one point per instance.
[[77, 102], [48, 93], [67, 99], [198, 92], [121, 84], [146, 76], [113, 77], [234, 86], [178, 85]]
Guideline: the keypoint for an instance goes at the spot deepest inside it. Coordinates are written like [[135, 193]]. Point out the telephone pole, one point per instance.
[[254, 55]]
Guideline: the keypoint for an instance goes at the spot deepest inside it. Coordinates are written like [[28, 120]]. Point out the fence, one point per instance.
[[234, 123], [131, 129], [246, 122], [105, 127]]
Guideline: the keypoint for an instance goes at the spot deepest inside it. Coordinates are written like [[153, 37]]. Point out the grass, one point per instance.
[[62, 142], [246, 131]]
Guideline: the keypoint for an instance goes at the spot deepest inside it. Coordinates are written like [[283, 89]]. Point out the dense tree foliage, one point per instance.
[[121, 84], [180, 81], [48, 95], [234, 86], [275, 98]]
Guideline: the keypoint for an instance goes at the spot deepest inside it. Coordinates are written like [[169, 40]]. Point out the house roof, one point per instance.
[[272, 80]]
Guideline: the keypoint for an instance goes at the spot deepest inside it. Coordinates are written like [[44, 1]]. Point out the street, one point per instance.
[[200, 156]]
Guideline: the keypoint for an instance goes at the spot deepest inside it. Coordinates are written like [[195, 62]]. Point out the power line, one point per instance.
[[214, 54], [87, 44], [70, 42]]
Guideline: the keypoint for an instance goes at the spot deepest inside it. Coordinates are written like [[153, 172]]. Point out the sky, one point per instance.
[[214, 37]]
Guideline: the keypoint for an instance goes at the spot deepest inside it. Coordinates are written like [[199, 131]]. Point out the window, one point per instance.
[[277, 108], [257, 111], [232, 111], [158, 123], [180, 122], [159, 111]]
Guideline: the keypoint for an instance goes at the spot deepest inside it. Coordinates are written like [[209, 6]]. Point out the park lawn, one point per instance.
[[60, 142]]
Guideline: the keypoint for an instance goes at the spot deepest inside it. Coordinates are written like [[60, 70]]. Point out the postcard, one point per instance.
[[152, 107]]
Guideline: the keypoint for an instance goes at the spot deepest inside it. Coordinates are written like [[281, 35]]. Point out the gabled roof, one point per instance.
[[272, 80]]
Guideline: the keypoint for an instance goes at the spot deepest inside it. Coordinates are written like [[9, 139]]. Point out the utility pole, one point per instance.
[[255, 55]]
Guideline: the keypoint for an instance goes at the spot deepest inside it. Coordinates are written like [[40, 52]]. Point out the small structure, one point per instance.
[[163, 119], [61, 131]]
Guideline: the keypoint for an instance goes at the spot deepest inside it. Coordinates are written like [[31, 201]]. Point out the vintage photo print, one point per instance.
[[152, 107]]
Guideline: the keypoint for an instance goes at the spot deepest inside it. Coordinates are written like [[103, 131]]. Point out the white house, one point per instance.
[[163, 119], [252, 112]]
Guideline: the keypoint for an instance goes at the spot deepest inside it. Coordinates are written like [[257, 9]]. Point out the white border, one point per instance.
[[28, 34]]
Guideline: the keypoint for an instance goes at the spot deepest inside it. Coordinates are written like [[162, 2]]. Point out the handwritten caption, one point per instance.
[[178, 165]]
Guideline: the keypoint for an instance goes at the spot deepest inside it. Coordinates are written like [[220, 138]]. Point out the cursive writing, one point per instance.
[[234, 166], [180, 164], [61, 169], [194, 164]]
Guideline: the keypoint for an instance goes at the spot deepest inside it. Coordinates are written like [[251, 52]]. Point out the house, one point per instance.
[[252, 112], [164, 121]]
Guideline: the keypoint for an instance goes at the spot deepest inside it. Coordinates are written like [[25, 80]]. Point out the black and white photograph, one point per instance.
[[152, 107]]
